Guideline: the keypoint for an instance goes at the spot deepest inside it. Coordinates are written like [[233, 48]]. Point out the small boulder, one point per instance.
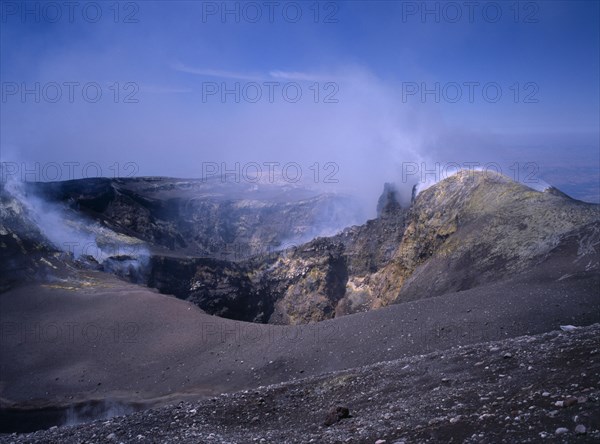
[[580, 429], [568, 328], [336, 414], [455, 419], [570, 401]]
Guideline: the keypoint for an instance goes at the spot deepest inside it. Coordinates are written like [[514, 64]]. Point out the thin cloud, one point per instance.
[[274, 74], [301, 76], [159, 89], [217, 73]]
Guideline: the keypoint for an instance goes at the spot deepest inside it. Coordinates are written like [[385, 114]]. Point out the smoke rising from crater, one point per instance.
[[72, 233]]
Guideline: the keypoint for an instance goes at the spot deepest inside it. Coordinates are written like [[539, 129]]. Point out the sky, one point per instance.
[[343, 95]]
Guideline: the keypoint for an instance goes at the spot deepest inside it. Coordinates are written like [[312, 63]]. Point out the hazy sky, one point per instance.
[[361, 92]]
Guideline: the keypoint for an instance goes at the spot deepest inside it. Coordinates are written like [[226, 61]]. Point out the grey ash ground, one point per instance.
[[542, 388]]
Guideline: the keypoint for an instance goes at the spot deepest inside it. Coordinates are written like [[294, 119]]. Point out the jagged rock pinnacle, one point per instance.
[[388, 201]]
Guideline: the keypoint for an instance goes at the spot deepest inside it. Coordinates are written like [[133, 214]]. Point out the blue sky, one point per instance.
[[364, 59]]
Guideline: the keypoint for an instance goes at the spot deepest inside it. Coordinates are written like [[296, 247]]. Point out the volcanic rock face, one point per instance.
[[24, 251], [170, 222], [470, 230], [311, 280], [205, 218], [219, 287], [327, 273], [207, 242], [476, 228]]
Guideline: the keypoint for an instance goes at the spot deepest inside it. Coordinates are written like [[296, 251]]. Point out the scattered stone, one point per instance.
[[580, 429], [336, 414], [380, 441], [507, 355], [385, 417], [568, 328], [455, 419], [570, 401]]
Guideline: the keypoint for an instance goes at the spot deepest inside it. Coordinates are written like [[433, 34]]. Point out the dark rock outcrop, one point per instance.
[[232, 221], [388, 201], [336, 414]]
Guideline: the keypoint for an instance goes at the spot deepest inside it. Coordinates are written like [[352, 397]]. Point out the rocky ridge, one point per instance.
[[470, 230]]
